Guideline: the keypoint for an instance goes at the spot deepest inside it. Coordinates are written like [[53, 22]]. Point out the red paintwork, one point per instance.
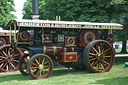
[[83, 37], [71, 41], [67, 57]]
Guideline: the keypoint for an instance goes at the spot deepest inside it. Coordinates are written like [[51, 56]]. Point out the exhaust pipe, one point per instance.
[[35, 14]]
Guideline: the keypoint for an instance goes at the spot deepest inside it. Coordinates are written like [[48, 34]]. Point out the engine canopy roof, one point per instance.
[[63, 24]]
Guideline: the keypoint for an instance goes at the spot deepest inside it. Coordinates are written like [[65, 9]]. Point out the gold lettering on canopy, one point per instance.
[[52, 25]]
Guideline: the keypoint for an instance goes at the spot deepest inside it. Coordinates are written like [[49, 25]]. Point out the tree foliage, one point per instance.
[[27, 9], [6, 7]]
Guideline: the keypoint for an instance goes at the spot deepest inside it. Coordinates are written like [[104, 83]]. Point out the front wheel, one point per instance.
[[98, 56], [40, 66]]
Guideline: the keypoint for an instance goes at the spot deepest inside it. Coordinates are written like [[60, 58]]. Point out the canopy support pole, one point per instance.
[[10, 35], [42, 35], [15, 33]]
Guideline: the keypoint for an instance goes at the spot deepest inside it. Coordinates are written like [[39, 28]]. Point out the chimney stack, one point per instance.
[[35, 14]]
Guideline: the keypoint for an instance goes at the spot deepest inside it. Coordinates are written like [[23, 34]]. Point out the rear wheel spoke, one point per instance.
[[97, 66], [2, 54], [94, 49], [8, 52], [6, 67], [16, 61], [102, 66], [106, 50], [92, 59], [99, 49], [12, 65], [92, 54], [2, 64], [107, 56], [2, 61], [15, 55], [106, 62], [95, 63], [2, 57], [11, 51]]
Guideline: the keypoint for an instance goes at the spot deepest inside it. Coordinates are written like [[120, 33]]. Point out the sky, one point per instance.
[[19, 7]]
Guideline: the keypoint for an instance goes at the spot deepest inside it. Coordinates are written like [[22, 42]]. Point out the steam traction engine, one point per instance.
[[73, 44]]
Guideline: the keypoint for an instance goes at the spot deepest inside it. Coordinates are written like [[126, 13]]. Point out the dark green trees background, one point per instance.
[[6, 7], [80, 10]]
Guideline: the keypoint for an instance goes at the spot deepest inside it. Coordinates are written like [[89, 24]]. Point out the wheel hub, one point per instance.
[[100, 57], [41, 67], [8, 58]]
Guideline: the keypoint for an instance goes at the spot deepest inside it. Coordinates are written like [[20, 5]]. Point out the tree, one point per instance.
[[6, 7], [79, 10], [84, 10], [123, 35], [27, 9]]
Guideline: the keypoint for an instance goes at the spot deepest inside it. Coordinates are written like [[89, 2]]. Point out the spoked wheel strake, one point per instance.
[[9, 58], [100, 56], [40, 66]]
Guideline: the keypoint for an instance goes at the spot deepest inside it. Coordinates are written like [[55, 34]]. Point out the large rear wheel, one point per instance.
[[40, 66], [9, 58], [98, 56]]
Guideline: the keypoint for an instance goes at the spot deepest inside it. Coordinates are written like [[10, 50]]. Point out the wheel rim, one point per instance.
[[9, 58], [101, 57], [23, 64], [40, 67]]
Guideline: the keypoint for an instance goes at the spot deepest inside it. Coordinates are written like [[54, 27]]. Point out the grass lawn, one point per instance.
[[62, 76]]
